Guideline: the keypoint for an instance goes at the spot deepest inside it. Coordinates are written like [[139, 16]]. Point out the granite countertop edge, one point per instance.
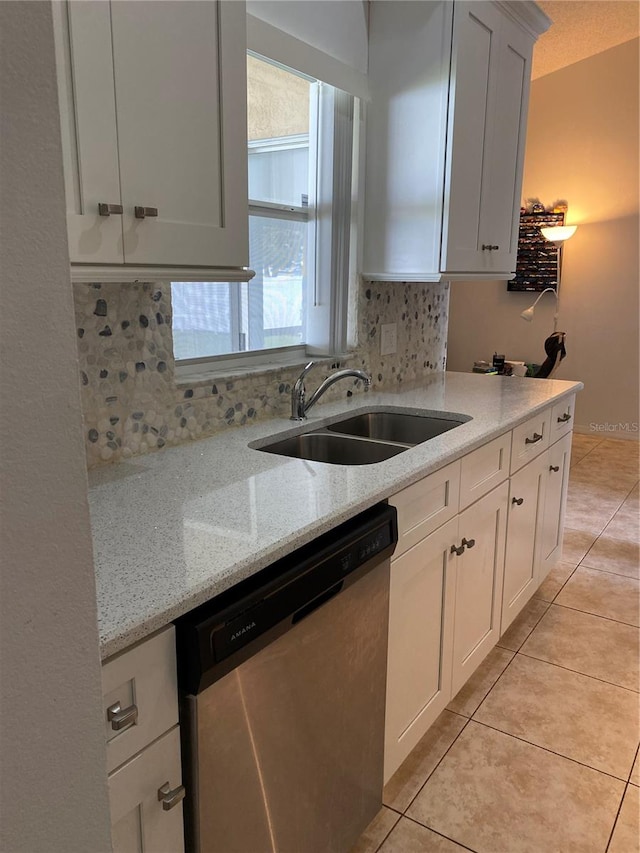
[[144, 583]]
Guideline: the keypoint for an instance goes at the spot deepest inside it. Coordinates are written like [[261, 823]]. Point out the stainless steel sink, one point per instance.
[[335, 449], [395, 426], [365, 438]]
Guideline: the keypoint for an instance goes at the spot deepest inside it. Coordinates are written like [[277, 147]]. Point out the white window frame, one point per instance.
[[329, 213]]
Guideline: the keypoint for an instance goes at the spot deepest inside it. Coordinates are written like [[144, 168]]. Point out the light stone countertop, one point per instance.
[[173, 529]]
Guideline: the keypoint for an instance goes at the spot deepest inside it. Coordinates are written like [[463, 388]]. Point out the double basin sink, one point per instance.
[[365, 438]]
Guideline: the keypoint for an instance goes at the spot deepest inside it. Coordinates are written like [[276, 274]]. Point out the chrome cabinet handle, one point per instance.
[[487, 247], [143, 212], [170, 798], [555, 468], [108, 209], [469, 542], [566, 417], [536, 437], [120, 718], [517, 501], [459, 551]]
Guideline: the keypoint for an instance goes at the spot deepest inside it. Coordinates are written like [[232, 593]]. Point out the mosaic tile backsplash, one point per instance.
[[132, 403]]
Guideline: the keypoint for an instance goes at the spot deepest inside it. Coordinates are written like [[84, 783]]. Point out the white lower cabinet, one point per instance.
[[140, 698], [482, 533], [420, 642], [526, 506], [456, 588], [146, 809], [557, 476], [535, 527]]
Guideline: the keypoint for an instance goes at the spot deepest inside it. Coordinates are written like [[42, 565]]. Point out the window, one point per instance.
[[300, 134]]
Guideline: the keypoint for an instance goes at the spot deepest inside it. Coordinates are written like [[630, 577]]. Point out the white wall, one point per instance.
[[336, 27], [582, 145], [53, 793]]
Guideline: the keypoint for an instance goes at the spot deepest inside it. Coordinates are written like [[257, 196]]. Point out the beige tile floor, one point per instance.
[[538, 752]]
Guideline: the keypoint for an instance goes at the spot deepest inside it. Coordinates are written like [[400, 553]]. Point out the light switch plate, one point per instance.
[[388, 338]]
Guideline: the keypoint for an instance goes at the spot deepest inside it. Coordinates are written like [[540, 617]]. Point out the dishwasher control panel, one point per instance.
[[210, 638]]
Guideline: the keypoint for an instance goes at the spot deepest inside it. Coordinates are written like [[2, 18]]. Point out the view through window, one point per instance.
[[216, 318]]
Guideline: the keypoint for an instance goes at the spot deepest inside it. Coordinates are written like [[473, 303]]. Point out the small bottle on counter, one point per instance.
[[498, 362]]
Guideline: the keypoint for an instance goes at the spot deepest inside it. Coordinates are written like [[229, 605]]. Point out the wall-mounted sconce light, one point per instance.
[[557, 234], [527, 314]]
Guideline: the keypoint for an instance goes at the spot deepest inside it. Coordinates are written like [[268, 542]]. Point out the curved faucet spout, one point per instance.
[[300, 406]]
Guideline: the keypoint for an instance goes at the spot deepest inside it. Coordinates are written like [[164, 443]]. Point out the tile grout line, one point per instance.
[[452, 840], [573, 571], [598, 615], [574, 671], [445, 753], [542, 615], [550, 751], [615, 821], [635, 758], [486, 696], [577, 672], [608, 571], [379, 847]]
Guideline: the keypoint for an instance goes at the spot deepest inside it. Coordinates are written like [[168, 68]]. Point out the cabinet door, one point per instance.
[[479, 576], [557, 476], [138, 820], [180, 82], [420, 642], [474, 79], [409, 55], [526, 506], [491, 70], [84, 59], [500, 204]]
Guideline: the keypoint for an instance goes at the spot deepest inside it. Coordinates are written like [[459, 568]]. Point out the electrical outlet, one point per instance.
[[388, 339]]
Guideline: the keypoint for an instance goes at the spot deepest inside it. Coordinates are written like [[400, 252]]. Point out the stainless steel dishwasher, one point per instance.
[[282, 683]]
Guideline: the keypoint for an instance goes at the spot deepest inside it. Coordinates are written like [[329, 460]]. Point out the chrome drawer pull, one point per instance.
[[555, 468], [469, 542], [566, 417], [459, 551], [536, 437], [517, 501], [108, 209], [170, 798], [143, 212], [121, 718]]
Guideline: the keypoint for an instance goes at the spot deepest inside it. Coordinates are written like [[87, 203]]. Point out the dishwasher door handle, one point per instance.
[[317, 602]]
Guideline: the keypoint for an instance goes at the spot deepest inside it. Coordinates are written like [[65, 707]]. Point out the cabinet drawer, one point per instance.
[[484, 469], [142, 679], [562, 418], [426, 505], [530, 439], [138, 819]]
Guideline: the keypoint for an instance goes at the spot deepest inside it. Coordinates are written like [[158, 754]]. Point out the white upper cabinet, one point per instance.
[[445, 137], [153, 104]]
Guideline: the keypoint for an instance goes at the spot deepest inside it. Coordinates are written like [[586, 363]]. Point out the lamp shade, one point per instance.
[[558, 233], [527, 314]]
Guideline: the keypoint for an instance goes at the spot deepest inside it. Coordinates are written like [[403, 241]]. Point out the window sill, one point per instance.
[[191, 374]]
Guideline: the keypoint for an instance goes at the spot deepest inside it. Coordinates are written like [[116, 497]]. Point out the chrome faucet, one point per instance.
[[300, 405]]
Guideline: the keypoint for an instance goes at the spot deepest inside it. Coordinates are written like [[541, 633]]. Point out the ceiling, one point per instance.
[[582, 28]]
